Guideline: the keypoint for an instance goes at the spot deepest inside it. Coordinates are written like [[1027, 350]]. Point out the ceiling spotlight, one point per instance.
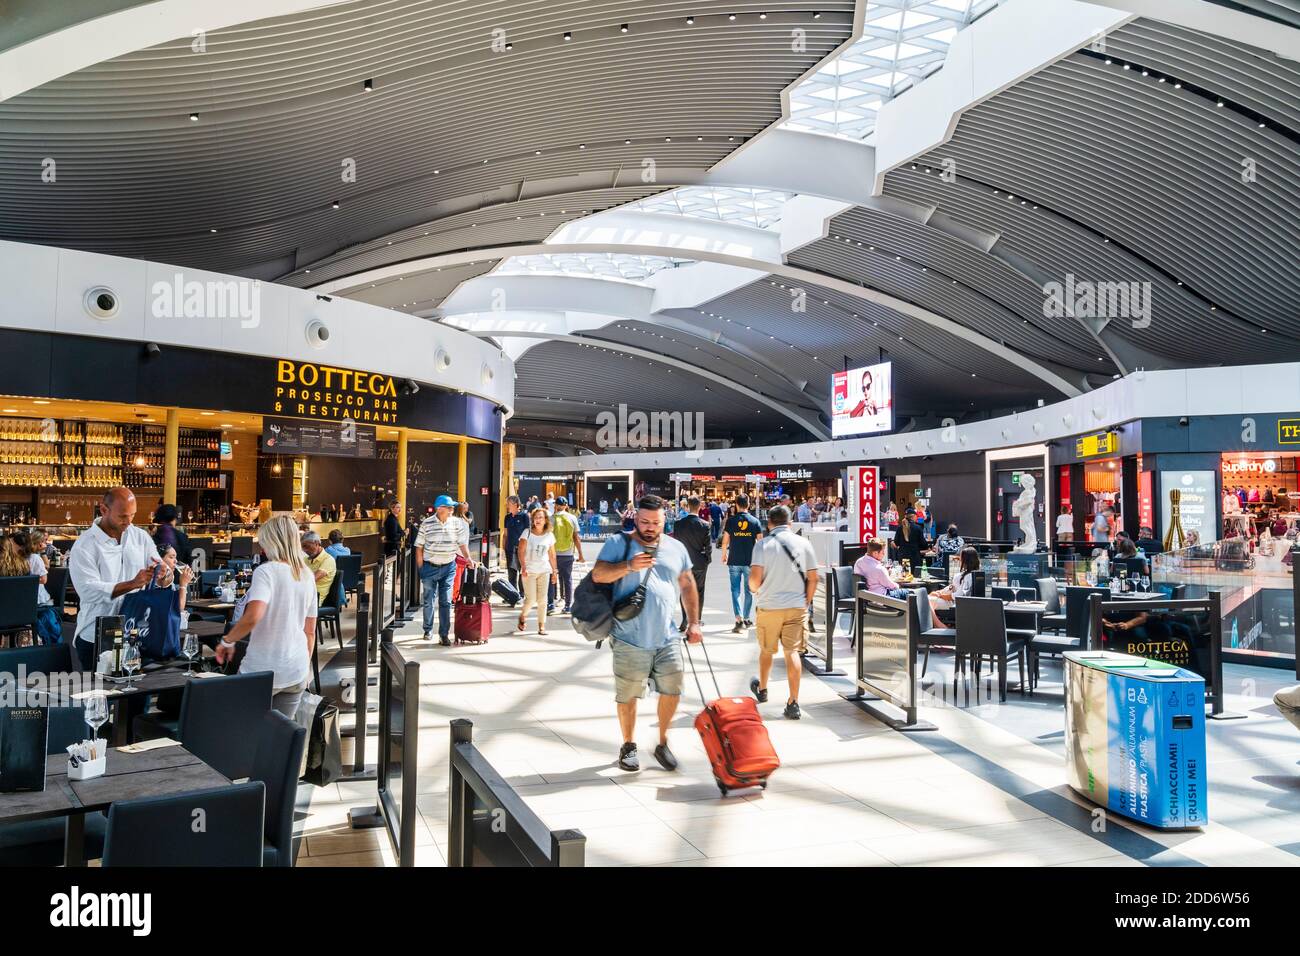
[[1220, 103], [334, 204], [622, 28], [194, 117], [1178, 86], [568, 37], [510, 46], [690, 21], [1109, 62], [1127, 67], [1261, 125], [213, 230], [668, 139], [817, 16], [731, 16], [367, 86], [762, 16], [1145, 73]]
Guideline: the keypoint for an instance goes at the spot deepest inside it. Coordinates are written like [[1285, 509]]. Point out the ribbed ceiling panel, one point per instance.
[[281, 107], [1093, 152]]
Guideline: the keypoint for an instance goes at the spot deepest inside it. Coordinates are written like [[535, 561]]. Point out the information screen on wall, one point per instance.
[[1197, 504], [289, 436], [862, 401]]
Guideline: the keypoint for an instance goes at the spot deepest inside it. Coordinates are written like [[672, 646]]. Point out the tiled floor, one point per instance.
[[985, 789]]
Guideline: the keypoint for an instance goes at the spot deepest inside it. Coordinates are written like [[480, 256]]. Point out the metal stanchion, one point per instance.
[[361, 674]]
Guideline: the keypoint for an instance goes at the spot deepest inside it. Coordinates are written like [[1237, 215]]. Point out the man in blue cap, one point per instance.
[[441, 537]]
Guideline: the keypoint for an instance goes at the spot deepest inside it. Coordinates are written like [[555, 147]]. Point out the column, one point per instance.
[[171, 458], [507, 485], [462, 468], [401, 473]]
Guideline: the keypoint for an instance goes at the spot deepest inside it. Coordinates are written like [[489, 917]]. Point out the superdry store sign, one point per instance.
[[308, 390], [864, 492]]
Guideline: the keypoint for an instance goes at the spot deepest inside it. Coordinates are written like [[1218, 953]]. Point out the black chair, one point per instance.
[[327, 615], [241, 546], [1076, 611], [38, 659], [841, 596], [349, 565], [56, 585], [161, 831], [209, 580], [40, 842], [982, 632], [218, 718], [977, 586], [277, 765], [927, 635], [200, 545], [18, 604], [1053, 618]]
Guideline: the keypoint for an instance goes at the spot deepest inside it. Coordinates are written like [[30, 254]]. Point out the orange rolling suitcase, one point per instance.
[[740, 751]]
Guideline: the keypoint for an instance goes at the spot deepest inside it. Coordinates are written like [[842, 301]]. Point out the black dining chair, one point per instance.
[[18, 604], [927, 635], [241, 546], [982, 632], [56, 585], [1052, 618], [349, 565], [218, 717], [161, 831], [209, 580], [327, 615], [842, 595], [278, 764], [977, 585], [37, 659], [1076, 611]]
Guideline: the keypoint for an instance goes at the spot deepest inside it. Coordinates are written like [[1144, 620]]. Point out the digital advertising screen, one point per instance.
[[862, 401]]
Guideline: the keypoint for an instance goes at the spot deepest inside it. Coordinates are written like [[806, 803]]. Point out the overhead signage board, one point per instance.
[[309, 390], [289, 436], [1102, 443], [793, 474], [1288, 431]]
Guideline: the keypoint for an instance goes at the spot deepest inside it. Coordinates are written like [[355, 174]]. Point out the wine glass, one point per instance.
[[96, 713], [189, 647], [131, 660], [1146, 582]]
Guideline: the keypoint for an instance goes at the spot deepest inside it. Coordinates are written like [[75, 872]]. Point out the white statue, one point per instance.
[[1023, 509]]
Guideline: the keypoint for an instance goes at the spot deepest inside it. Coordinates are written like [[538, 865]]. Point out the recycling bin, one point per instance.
[[1135, 737]]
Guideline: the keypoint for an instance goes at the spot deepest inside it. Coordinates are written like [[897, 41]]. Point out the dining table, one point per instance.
[[153, 768]]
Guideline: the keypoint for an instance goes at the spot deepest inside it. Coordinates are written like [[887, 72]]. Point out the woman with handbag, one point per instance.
[[279, 617], [539, 567]]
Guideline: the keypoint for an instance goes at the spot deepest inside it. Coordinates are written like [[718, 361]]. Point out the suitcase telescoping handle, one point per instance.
[[696, 675]]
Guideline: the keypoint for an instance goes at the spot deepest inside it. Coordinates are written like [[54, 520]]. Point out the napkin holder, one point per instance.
[[88, 769]]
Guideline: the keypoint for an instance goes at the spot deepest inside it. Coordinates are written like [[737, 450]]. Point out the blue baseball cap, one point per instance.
[[445, 501], [561, 498]]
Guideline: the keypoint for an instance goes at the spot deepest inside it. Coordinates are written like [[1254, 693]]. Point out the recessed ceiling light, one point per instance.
[[40, 401], [367, 86], [207, 414], [623, 28], [1220, 103], [213, 230], [817, 16], [762, 16], [690, 21], [1178, 86], [334, 204], [568, 37], [194, 117], [8, 411], [731, 16]]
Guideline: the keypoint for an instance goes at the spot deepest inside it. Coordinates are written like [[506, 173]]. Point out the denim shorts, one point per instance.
[[633, 666]]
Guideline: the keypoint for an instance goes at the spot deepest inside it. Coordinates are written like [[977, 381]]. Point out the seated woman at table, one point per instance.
[[962, 587], [181, 581], [279, 619]]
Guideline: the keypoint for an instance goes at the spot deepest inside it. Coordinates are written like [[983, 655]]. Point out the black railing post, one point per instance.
[[458, 825], [361, 675], [568, 848]]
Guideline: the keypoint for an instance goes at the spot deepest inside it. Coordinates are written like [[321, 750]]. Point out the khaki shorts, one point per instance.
[[787, 627]]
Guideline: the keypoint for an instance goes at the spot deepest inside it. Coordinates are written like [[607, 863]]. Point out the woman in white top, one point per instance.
[[1065, 524], [538, 566], [946, 598], [279, 618]]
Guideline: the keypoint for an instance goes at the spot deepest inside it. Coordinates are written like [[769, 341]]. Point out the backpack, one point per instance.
[[593, 605]]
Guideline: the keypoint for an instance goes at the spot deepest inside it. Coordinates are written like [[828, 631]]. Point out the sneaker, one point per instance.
[[760, 693], [792, 710], [739, 626], [567, 610], [749, 622], [550, 610], [627, 758], [665, 757], [427, 636], [445, 641]]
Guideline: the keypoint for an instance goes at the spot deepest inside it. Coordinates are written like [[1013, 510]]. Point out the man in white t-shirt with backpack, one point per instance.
[[783, 577]]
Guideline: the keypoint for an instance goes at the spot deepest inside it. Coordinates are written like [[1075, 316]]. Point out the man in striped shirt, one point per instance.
[[441, 537]]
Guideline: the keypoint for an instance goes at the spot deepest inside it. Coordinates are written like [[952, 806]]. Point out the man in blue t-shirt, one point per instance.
[[516, 524], [657, 568], [738, 540], [716, 514]]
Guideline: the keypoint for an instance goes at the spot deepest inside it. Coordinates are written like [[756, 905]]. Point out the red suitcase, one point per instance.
[[473, 623], [739, 749]]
